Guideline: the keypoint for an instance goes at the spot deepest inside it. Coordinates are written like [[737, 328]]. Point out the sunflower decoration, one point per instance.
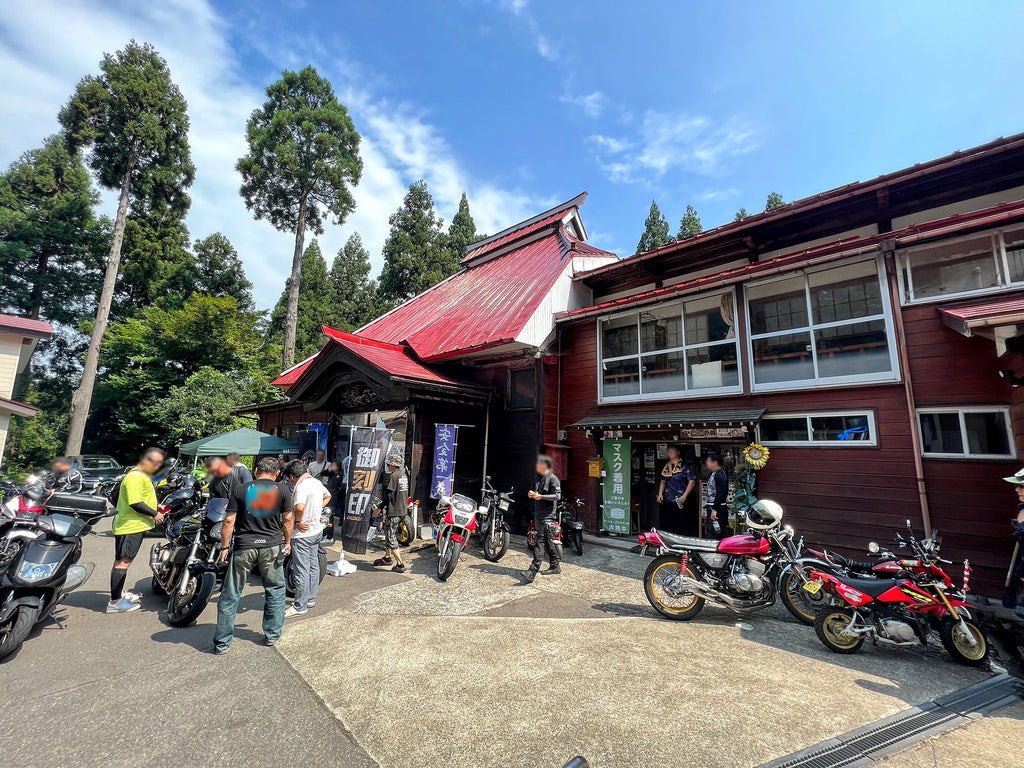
[[756, 455]]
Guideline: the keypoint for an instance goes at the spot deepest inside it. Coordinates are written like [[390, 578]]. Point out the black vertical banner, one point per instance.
[[369, 449]]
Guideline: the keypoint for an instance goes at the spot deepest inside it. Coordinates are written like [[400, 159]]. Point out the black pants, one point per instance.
[[547, 539], [683, 522], [723, 524]]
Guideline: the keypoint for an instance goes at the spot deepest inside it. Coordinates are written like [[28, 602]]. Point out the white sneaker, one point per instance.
[[291, 612], [122, 606], [131, 597], [311, 603]]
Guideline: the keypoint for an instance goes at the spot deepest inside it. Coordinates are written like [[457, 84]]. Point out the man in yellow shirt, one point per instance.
[[136, 514]]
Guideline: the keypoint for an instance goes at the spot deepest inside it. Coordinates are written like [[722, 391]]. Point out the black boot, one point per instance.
[[529, 576], [554, 569]]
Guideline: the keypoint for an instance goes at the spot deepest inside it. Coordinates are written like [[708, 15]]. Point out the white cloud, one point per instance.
[[673, 142], [546, 47], [592, 104], [715, 195], [47, 46]]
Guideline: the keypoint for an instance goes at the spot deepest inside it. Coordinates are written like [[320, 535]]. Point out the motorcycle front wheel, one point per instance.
[[578, 543], [496, 545], [798, 601], [664, 595], [16, 629], [958, 642], [829, 626], [446, 562], [406, 533], [184, 609]]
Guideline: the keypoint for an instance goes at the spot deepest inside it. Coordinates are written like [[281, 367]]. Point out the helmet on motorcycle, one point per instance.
[[764, 514]]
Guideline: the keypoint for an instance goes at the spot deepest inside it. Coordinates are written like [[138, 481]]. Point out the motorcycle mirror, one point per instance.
[[487, 478], [873, 547], [909, 526]]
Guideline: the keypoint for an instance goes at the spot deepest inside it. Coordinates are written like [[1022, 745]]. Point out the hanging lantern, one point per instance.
[[756, 455]]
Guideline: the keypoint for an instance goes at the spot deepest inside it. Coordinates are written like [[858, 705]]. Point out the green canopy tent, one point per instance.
[[244, 441]]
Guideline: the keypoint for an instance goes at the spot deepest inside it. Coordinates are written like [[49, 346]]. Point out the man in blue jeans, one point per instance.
[[260, 516]]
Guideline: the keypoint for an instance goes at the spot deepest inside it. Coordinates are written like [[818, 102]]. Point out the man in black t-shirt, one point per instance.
[[546, 492], [396, 502], [259, 514]]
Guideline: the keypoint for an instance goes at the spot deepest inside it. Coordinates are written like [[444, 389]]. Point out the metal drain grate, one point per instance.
[[892, 734]]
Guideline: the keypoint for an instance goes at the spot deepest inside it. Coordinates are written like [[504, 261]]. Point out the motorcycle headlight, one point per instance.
[[37, 571], [503, 505], [215, 531]]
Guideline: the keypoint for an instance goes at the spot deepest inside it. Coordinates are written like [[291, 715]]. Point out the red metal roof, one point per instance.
[[988, 217], [984, 312], [522, 229], [291, 375], [486, 304], [393, 359], [27, 326], [17, 408]]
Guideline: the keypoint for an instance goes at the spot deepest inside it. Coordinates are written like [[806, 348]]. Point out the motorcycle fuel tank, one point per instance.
[[744, 544]]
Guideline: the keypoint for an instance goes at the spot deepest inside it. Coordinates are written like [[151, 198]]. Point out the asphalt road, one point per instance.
[[480, 671]]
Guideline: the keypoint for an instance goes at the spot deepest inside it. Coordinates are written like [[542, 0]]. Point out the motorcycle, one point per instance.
[[491, 526], [570, 525], [39, 554], [744, 572], [187, 566], [25, 500], [327, 537], [454, 522], [901, 611]]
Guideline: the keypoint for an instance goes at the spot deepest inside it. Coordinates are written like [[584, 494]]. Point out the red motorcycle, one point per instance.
[[900, 611]]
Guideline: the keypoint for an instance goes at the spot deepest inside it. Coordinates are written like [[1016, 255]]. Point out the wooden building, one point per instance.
[[868, 335]]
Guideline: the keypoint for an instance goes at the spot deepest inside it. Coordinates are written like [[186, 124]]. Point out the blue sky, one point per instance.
[[524, 104]]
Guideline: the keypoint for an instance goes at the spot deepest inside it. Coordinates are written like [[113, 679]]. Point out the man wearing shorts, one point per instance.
[[396, 502], [136, 514]]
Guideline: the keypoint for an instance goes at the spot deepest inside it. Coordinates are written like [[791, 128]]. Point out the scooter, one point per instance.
[[454, 522]]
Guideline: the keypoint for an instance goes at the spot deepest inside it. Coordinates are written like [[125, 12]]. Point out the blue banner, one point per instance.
[[445, 441]]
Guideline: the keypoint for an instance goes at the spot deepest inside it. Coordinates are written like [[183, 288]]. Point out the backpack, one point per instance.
[[113, 491]]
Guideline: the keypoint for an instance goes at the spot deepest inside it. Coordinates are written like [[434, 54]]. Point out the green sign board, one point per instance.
[[616, 485]]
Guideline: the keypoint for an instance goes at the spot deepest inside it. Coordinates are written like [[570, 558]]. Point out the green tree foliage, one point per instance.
[[198, 408], [134, 120], [461, 234], [774, 201], [51, 243], [689, 224], [218, 271], [303, 160], [148, 355], [741, 214], [315, 305], [156, 266], [414, 258], [354, 300], [656, 231]]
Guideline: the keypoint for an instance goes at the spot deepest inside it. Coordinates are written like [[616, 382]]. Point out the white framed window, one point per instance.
[[981, 432], [821, 327], [844, 429], [964, 266], [678, 349]]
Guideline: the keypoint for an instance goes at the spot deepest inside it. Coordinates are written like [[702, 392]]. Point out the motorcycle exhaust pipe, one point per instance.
[[702, 590]]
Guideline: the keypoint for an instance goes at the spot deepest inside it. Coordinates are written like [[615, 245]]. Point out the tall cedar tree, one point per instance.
[[135, 121], [774, 201], [690, 224], [51, 244], [414, 257], [461, 234], [353, 293], [656, 231], [157, 266], [303, 160], [218, 271], [314, 307]]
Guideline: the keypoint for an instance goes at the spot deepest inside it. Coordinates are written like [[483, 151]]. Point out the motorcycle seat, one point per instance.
[[872, 587], [689, 542]]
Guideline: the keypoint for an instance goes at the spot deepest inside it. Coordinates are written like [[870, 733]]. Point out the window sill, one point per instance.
[[671, 396]]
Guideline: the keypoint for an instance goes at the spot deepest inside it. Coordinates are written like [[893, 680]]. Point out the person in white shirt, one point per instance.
[[319, 465], [308, 501]]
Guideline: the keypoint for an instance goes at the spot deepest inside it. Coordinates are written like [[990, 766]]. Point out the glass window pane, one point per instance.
[[791, 429], [953, 268], [940, 433], [714, 366], [783, 358], [710, 318], [621, 377], [1014, 242], [845, 293], [986, 433], [663, 373], [846, 350], [829, 428], [778, 306], [661, 328], [619, 336]]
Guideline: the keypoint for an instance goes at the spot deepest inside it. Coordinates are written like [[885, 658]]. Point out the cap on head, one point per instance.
[[1017, 478], [394, 459]]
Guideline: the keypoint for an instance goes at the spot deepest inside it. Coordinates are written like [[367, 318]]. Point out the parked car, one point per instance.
[[95, 468]]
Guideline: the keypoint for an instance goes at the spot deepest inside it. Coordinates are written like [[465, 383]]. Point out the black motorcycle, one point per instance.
[[187, 566], [571, 525], [39, 555], [491, 526]]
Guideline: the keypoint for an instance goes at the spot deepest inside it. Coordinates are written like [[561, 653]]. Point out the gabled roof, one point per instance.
[[490, 301], [290, 375], [567, 213], [27, 326]]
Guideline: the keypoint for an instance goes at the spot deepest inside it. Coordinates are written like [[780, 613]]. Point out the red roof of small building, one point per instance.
[[489, 302], [984, 312], [26, 325], [17, 408], [393, 359], [290, 375]]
